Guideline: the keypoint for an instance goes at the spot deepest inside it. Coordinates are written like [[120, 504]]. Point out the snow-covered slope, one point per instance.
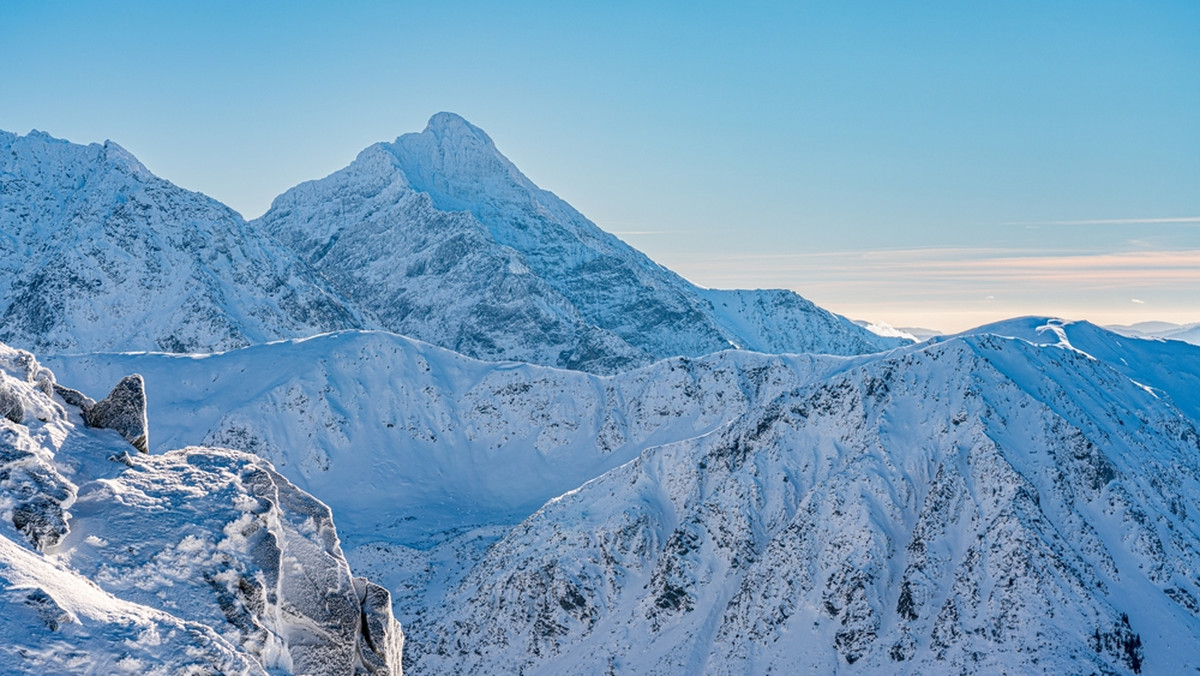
[[407, 441], [739, 512], [201, 560], [1171, 367], [96, 253], [444, 239], [978, 505]]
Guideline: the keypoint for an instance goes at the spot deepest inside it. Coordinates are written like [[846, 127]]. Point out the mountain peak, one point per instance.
[[446, 126]]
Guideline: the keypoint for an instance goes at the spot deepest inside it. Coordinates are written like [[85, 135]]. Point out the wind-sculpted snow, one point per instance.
[[443, 239], [96, 253], [979, 505], [201, 560]]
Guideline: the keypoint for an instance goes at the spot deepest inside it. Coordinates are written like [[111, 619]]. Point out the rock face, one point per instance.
[[978, 505], [99, 254], [193, 561], [123, 410], [443, 239]]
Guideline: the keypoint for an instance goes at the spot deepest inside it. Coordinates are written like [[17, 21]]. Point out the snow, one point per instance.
[[640, 476], [189, 561]]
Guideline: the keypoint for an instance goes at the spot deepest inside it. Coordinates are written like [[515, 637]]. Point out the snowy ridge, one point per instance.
[[442, 238], [406, 440], [201, 560], [96, 253], [1171, 368], [978, 505]]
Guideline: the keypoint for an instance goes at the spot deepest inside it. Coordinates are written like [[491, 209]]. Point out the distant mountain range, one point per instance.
[[436, 236], [1188, 333]]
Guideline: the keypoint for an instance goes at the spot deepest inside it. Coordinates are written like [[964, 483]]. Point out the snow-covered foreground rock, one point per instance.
[[201, 560], [444, 239]]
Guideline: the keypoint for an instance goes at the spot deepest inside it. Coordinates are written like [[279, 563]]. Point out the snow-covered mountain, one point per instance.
[[978, 505], [96, 253], [697, 514], [408, 442], [1018, 498], [200, 560], [1171, 368], [445, 240], [1188, 333]]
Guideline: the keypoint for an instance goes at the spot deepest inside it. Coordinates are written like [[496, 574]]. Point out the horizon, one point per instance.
[[937, 167]]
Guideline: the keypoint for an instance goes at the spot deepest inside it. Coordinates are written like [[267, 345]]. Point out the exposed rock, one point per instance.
[[380, 642], [123, 410], [11, 406]]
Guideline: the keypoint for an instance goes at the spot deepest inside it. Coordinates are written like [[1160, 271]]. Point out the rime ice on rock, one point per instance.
[[123, 410], [201, 560]]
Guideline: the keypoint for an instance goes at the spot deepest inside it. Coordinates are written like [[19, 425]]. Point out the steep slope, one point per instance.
[[445, 240], [979, 505], [96, 253], [200, 560]]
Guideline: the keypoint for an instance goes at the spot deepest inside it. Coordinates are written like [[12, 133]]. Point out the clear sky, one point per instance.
[[923, 163]]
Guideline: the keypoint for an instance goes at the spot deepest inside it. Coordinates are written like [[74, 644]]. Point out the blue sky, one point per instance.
[[920, 163]]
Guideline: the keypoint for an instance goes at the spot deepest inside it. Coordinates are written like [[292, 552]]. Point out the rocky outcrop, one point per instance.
[[240, 569], [123, 410]]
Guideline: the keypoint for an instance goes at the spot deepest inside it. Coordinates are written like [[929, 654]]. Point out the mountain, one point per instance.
[[1170, 368], [408, 442], [976, 505], [199, 560], [1188, 333], [445, 240], [96, 253], [543, 519]]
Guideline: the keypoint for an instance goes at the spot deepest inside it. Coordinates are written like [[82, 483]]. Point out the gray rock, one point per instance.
[[380, 642], [123, 410], [74, 397], [10, 404]]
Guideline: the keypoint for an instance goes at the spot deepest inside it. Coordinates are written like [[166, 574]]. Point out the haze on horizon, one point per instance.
[[932, 165]]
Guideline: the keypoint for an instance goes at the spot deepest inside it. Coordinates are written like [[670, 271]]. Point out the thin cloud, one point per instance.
[[1115, 221]]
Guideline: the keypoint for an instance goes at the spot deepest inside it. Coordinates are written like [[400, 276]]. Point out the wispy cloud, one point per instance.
[[959, 287], [1185, 220]]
